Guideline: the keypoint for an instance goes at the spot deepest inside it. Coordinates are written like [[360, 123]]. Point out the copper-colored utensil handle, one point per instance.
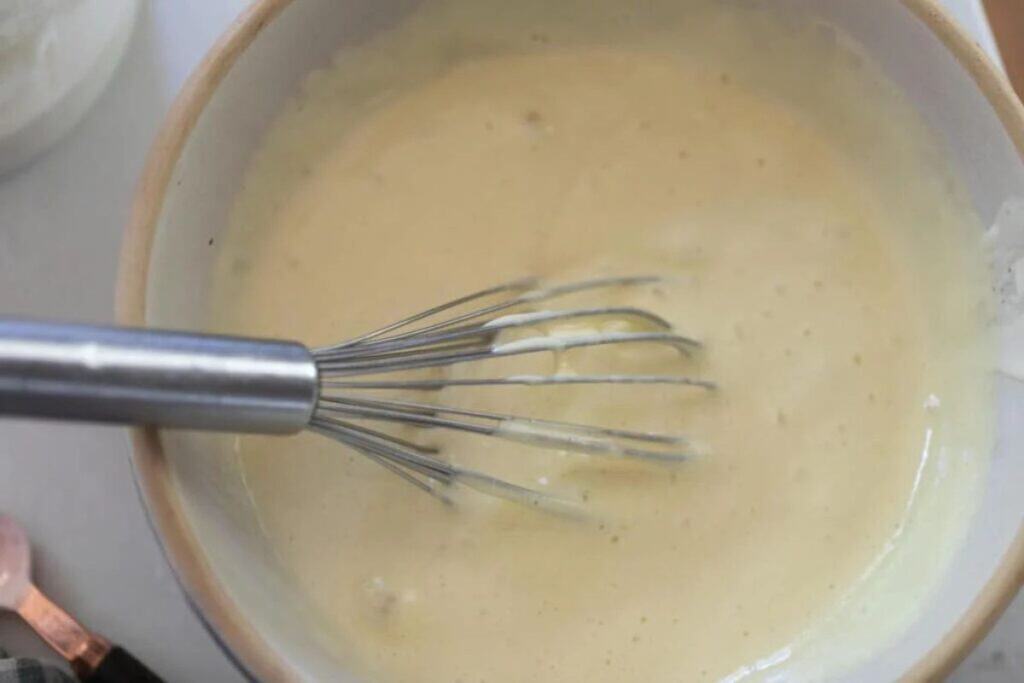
[[83, 650]]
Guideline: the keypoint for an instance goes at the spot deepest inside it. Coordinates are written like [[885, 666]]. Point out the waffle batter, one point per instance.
[[811, 236]]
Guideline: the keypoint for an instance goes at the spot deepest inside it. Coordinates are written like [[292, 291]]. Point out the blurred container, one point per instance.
[[56, 56]]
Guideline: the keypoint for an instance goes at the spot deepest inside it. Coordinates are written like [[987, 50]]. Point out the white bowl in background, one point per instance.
[[56, 57]]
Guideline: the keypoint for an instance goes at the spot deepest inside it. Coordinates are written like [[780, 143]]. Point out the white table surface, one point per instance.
[[60, 228]]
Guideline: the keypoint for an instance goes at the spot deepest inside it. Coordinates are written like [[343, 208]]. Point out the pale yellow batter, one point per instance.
[[811, 237]]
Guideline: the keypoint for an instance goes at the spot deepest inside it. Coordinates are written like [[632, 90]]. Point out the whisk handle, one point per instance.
[[168, 379]]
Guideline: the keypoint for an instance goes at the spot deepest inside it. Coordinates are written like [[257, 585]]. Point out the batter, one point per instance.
[[811, 236]]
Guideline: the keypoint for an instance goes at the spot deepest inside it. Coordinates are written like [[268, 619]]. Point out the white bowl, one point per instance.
[[58, 58], [197, 502]]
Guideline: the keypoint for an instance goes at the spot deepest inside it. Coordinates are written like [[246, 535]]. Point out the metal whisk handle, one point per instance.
[[168, 379]]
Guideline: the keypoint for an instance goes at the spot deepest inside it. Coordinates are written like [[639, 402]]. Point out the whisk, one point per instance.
[[233, 384]]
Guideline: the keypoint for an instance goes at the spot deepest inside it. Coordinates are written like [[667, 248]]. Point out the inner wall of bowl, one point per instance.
[[208, 176]]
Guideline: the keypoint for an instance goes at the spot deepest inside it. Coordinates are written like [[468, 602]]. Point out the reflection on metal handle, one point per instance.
[[168, 379]]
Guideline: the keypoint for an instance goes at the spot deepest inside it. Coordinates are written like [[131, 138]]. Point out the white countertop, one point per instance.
[[60, 228]]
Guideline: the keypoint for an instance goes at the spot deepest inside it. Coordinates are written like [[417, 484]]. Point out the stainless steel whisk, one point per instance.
[[232, 384]]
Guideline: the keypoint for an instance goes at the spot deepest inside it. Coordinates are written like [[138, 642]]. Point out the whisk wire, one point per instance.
[[381, 449], [520, 380], [531, 294], [521, 285]]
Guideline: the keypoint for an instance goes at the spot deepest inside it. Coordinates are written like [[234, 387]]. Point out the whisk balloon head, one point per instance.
[[478, 327]]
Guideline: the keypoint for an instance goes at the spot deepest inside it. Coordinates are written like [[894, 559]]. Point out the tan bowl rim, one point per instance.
[[241, 642]]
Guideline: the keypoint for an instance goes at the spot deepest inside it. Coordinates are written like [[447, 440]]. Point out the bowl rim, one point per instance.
[[242, 644]]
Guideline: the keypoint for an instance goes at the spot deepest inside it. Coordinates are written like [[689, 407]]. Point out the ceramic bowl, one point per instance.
[[198, 504]]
